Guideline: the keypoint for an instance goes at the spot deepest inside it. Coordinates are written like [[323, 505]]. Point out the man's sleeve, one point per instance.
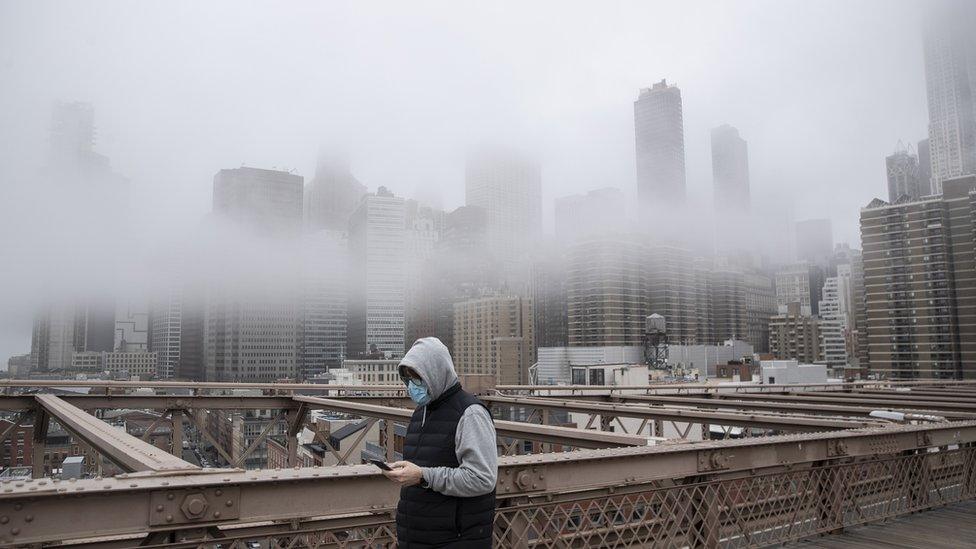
[[477, 454]]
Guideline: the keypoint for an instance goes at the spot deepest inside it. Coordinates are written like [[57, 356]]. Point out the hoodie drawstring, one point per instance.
[[424, 420]]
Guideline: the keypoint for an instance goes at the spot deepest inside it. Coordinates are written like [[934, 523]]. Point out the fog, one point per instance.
[[821, 91]]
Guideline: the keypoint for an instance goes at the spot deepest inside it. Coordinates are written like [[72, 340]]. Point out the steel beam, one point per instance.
[[579, 438], [39, 442], [19, 403], [399, 388], [132, 504], [873, 404], [788, 407], [197, 420], [20, 419], [791, 423], [129, 452], [288, 387], [906, 396]]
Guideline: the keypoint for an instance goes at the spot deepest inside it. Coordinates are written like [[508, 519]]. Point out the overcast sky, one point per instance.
[[821, 91]]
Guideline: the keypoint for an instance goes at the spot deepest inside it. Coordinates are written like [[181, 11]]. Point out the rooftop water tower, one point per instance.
[[655, 340]]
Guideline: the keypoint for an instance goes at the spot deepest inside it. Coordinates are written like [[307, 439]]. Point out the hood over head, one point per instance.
[[431, 359]]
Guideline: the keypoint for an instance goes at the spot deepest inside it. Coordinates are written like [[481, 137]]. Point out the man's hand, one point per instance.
[[404, 473]]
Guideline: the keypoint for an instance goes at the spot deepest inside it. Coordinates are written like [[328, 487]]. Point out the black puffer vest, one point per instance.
[[426, 518]]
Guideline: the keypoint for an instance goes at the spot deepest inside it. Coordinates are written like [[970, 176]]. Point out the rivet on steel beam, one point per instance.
[[216, 514], [15, 531], [170, 496], [218, 492], [18, 506], [4, 520], [169, 518], [229, 503]]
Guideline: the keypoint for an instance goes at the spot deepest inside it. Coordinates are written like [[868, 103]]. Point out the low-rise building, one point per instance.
[[778, 372], [141, 364], [793, 335], [379, 371]]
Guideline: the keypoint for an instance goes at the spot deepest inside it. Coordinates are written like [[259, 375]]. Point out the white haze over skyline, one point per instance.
[[821, 91]]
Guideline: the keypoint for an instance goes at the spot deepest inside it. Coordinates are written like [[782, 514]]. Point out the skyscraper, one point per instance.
[[675, 291], [325, 279], [730, 171], [263, 202], [460, 268], [253, 315], [67, 327], [835, 317], [377, 240], [924, 168], [165, 325], [252, 331], [904, 177], [131, 325], [950, 76], [920, 293], [598, 211], [332, 195], [549, 298], [660, 148], [508, 186], [815, 242], [606, 289]]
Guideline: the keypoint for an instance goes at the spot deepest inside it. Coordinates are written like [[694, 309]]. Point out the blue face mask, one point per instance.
[[418, 393]]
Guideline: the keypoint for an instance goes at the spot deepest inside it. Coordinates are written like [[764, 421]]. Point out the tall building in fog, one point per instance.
[[920, 293], [508, 186], [325, 279], [549, 298], [606, 291], [675, 291], [950, 76], [252, 319], [67, 327], [332, 195], [131, 326], [377, 241], [730, 171], [52, 339], [252, 332], [493, 335], [660, 148], [423, 226], [193, 318], [904, 178], [165, 331], [815, 241], [263, 202], [924, 168], [599, 211], [460, 268]]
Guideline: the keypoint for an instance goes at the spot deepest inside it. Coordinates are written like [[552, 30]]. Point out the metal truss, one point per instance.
[[823, 463]]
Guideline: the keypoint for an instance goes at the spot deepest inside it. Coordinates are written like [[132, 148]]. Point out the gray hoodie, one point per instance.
[[474, 440]]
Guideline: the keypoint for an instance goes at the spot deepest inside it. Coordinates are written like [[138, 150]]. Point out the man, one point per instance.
[[450, 466]]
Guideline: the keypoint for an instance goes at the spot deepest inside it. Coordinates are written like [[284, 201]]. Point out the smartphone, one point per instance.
[[381, 464]]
